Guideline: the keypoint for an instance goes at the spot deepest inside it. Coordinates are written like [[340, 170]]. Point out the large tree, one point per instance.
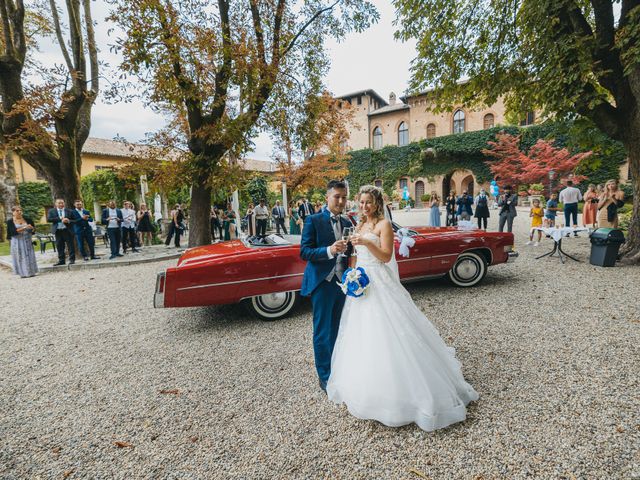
[[564, 57], [46, 112], [219, 64]]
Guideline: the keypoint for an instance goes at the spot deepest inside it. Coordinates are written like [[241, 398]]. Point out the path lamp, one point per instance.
[[551, 175]]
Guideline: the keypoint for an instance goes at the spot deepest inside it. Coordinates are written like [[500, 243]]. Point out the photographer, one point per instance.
[[507, 203], [465, 202]]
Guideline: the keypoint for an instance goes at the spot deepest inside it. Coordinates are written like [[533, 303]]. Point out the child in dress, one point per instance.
[[536, 215]]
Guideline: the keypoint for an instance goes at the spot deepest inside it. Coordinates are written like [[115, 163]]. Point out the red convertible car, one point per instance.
[[266, 273]]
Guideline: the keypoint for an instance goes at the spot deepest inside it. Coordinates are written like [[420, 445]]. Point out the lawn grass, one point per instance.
[[4, 248]]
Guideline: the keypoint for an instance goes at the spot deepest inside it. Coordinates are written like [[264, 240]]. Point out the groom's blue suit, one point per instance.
[[326, 296]]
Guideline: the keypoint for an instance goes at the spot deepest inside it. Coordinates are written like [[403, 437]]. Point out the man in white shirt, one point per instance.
[[279, 215], [129, 227], [261, 213], [112, 218], [570, 197]]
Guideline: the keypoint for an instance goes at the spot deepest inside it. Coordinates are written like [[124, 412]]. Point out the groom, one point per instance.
[[321, 246]]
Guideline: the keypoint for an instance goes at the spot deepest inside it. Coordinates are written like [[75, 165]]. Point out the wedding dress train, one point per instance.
[[389, 363]]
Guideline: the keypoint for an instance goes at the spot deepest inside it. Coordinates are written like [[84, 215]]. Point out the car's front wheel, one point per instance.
[[272, 306], [469, 270]]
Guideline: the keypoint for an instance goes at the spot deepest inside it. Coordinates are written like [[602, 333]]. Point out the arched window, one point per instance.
[[403, 134], [377, 138], [458, 122], [431, 130], [403, 183], [488, 120]]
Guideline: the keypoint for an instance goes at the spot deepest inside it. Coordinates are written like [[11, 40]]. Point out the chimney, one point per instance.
[[392, 98]]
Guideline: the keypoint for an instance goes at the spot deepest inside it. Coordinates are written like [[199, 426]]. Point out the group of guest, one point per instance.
[[224, 222], [461, 207], [126, 227]]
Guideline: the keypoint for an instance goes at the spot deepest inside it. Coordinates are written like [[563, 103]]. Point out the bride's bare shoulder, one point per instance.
[[383, 225]]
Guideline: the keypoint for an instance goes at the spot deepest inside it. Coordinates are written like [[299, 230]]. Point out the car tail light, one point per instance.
[[508, 248]]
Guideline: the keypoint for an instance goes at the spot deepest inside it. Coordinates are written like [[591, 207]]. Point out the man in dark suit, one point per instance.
[[111, 219], [305, 209], [321, 246], [507, 203], [61, 225], [278, 213], [83, 231]]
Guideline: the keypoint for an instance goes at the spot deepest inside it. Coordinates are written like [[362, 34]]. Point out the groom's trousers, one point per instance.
[[328, 301]]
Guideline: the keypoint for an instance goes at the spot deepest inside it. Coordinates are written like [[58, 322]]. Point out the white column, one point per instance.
[[235, 204], [285, 203]]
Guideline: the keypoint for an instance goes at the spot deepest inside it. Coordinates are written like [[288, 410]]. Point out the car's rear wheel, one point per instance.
[[272, 306], [469, 270]]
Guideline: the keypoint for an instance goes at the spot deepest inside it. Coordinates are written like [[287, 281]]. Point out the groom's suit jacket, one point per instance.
[[317, 235]]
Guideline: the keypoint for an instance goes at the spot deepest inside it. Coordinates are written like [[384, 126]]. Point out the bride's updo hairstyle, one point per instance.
[[378, 202]]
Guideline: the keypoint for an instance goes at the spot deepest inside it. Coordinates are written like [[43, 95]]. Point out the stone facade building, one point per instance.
[[399, 121]]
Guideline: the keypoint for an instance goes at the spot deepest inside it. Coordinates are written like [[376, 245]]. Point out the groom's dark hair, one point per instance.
[[336, 184]]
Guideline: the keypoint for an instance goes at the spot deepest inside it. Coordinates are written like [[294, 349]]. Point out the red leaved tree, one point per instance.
[[512, 166]]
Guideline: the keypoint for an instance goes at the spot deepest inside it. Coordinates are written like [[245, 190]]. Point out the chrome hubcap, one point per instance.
[[467, 269], [273, 301]]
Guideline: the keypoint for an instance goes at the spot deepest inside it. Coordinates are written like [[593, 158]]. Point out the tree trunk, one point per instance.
[[199, 213], [7, 191], [631, 249]]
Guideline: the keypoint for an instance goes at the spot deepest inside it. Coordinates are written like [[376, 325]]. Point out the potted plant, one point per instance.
[[535, 191], [425, 198]]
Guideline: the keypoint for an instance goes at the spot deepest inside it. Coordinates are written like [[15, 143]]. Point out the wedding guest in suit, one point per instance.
[[610, 201], [305, 209], [507, 203], [590, 208], [318, 206], [261, 213], [465, 210], [294, 219], [61, 225], [450, 204], [83, 231], [482, 208], [112, 219], [278, 214], [19, 232], [145, 226], [128, 227]]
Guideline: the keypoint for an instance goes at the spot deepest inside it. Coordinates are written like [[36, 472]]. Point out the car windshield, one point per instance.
[[272, 240]]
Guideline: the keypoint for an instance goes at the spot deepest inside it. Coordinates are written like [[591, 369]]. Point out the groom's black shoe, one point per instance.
[[323, 386]]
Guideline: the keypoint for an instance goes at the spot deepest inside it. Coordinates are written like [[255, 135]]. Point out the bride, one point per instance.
[[389, 363]]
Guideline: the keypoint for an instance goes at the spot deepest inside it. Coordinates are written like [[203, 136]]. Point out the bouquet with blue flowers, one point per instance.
[[355, 282]]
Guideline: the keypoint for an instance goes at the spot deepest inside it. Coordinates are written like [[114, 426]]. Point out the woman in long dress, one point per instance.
[[251, 221], [389, 363], [20, 230], [294, 219], [434, 216]]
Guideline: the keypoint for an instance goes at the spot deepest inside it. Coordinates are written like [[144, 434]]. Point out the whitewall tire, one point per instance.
[[468, 270], [272, 306]]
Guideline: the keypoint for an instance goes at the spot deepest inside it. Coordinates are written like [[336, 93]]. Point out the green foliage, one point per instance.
[[257, 188], [444, 155], [104, 185], [34, 197]]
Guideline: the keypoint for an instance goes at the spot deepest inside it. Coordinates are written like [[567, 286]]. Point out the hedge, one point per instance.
[[464, 152], [34, 197]]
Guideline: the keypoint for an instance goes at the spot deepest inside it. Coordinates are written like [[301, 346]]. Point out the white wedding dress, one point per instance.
[[389, 363]]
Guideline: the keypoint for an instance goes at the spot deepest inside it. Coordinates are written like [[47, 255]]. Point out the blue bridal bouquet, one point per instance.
[[355, 282]]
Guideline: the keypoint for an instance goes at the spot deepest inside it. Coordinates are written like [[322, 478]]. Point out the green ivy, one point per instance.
[[34, 197], [444, 155], [104, 185]]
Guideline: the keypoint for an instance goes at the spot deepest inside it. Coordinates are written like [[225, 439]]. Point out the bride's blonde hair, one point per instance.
[[378, 203]]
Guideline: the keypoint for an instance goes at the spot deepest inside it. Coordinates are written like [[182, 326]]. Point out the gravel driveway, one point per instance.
[[86, 362]]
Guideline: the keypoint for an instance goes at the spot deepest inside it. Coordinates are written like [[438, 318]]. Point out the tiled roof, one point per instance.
[[259, 165], [389, 108], [369, 91]]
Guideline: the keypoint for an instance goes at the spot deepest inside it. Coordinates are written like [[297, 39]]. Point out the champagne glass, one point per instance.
[[346, 235]]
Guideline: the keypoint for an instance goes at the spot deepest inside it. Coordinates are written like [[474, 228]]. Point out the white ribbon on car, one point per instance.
[[406, 242]]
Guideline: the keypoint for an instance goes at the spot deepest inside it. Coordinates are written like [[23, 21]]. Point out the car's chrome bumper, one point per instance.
[[511, 256], [158, 296]]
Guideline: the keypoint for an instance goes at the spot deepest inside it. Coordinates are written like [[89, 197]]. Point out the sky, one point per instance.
[[372, 59]]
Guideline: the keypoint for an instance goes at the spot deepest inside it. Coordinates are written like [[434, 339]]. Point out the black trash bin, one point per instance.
[[605, 243]]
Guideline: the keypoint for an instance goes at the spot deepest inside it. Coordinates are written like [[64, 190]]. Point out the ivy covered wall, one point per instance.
[[464, 152]]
